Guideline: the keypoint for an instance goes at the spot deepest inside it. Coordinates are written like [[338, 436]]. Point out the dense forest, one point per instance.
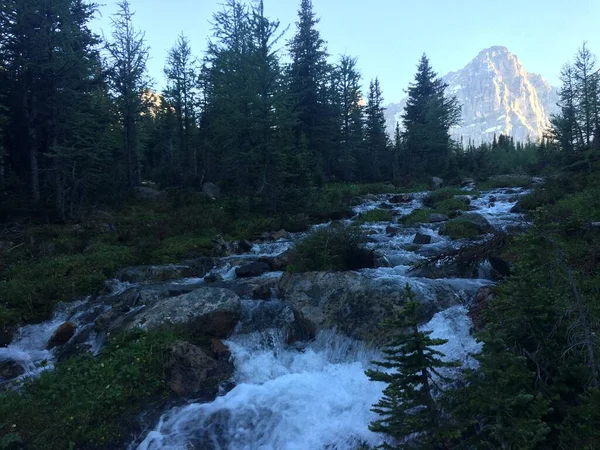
[[98, 171]]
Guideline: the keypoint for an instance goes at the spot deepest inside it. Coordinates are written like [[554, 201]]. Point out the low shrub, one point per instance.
[[506, 181], [435, 197], [460, 229], [332, 249], [416, 216], [375, 215]]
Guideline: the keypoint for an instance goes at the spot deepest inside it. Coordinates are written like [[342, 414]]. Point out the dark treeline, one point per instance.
[[80, 123]]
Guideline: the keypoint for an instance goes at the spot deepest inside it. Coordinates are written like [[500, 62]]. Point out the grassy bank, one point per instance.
[[43, 264]]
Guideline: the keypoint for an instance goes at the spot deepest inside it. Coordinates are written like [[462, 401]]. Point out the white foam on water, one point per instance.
[[291, 399], [285, 399]]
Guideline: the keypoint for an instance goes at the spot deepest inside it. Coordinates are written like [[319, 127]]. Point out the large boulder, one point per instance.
[[211, 311], [147, 193], [62, 334], [188, 369], [254, 269], [10, 369], [145, 274], [482, 224], [279, 262], [422, 239], [211, 190], [401, 198], [484, 296], [436, 182], [357, 303]]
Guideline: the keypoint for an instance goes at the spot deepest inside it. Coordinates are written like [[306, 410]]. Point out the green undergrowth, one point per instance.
[[89, 402], [49, 263], [375, 215], [505, 181], [332, 249], [417, 216], [460, 229]]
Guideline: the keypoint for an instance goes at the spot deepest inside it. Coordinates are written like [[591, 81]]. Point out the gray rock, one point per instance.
[[150, 274], [281, 234], [463, 198], [147, 193], [401, 198], [209, 311], [436, 182], [188, 369], [391, 230], [354, 302], [100, 222], [437, 218], [10, 369], [422, 239], [211, 190], [254, 269]]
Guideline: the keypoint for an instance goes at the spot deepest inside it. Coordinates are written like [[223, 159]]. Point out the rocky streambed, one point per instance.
[[299, 342]]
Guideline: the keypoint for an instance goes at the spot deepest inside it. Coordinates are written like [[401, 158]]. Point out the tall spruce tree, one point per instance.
[[585, 74], [308, 87], [409, 412], [427, 118], [377, 157], [128, 57], [182, 78], [351, 120]]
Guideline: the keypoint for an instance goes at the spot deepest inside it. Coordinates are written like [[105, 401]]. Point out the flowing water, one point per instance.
[[295, 397]]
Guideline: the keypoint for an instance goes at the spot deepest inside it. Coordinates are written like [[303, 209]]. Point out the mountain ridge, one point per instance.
[[498, 96]]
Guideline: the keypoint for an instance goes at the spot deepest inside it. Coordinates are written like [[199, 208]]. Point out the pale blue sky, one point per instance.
[[388, 36]]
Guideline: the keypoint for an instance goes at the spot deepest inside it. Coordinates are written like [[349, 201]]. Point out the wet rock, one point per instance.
[[262, 292], [401, 198], [518, 208], [149, 274], [354, 302], [277, 263], [437, 218], [220, 350], [211, 190], [436, 182], [493, 199], [281, 234], [188, 369], [7, 333], [422, 239], [254, 269], [341, 214], [391, 230], [303, 330], [243, 246], [483, 225], [10, 369], [62, 334], [147, 193], [484, 296], [463, 198], [213, 278], [385, 206], [500, 266], [212, 311]]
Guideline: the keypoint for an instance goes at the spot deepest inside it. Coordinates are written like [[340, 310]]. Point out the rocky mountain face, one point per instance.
[[498, 96]]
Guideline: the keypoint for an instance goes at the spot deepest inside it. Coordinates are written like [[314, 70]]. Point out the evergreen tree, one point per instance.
[[351, 117], [408, 409], [128, 56], [308, 86], [498, 406], [427, 118], [377, 158], [181, 92], [585, 74]]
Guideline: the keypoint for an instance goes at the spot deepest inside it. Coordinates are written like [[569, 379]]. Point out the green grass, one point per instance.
[[89, 402], [460, 229], [440, 195], [449, 206], [505, 181], [375, 215], [417, 216]]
